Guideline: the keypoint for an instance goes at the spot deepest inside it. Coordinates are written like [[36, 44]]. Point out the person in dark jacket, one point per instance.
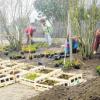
[[96, 42]]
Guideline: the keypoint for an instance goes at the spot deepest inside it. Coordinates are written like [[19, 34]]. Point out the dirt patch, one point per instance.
[[87, 91]]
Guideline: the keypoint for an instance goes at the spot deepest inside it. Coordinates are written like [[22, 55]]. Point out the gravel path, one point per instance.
[[17, 92]]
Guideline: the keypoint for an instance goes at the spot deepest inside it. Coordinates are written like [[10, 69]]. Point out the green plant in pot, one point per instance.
[[68, 64], [58, 63], [76, 64], [32, 49]]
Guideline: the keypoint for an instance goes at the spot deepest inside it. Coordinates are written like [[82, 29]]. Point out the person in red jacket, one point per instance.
[[96, 41], [29, 33]]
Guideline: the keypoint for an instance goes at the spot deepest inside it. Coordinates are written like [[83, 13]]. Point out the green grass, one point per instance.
[[32, 76]]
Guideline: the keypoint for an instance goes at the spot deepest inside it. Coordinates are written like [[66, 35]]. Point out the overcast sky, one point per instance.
[[10, 6], [34, 13]]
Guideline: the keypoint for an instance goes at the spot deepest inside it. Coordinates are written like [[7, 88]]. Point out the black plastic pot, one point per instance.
[[50, 57], [11, 57], [46, 56], [38, 56], [76, 66], [56, 57], [62, 53], [23, 57], [41, 55], [39, 63], [56, 65], [62, 56], [19, 57], [22, 52], [35, 56], [6, 53], [32, 51], [30, 57]]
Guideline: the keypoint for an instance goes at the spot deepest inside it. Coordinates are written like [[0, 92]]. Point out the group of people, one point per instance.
[[75, 43], [48, 30]]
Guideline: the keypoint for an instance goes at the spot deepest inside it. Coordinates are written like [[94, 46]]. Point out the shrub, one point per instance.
[[29, 48], [98, 69], [74, 64]]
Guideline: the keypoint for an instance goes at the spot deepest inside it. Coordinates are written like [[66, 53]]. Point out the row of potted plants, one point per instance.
[[16, 55], [29, 48], [74, 64], [51, 54], [32, 48]]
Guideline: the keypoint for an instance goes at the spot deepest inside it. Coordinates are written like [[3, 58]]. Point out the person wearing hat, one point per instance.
[[29, 33], [47, 29]]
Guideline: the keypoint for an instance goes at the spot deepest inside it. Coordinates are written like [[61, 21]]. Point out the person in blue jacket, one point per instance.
[[75, 44]]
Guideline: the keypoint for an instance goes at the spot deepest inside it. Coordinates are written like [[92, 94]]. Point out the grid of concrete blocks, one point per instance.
[[12, 72]]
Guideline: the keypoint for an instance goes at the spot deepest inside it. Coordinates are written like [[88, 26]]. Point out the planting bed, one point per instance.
[[27, 67], [45, 78], [31, 76], [45, 70], [64, 76], [49, 82], [11, 72], [39, 77]]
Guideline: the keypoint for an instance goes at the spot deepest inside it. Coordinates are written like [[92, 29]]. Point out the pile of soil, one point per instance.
[[85, 91]]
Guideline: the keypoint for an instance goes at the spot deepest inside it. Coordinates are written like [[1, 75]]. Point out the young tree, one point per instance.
[[15, 16], [84, 20], [55, 10]]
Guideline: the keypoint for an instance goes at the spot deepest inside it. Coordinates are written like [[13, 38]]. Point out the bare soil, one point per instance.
[[89, 90], [85, 91]]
